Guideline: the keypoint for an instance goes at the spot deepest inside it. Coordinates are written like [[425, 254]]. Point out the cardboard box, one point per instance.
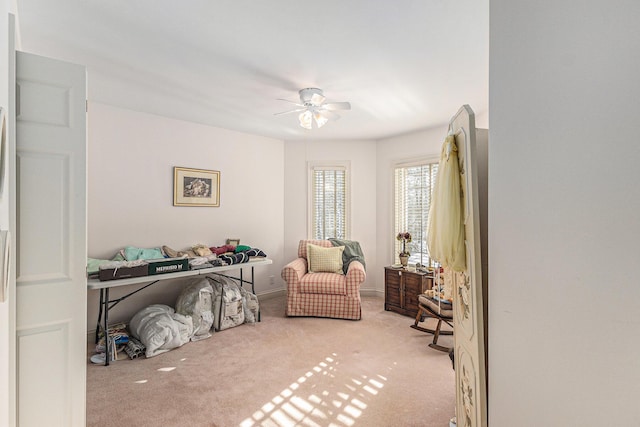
[[122, 272], [168, 265]]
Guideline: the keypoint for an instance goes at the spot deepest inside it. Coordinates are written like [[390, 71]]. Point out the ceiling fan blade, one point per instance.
[[291, 102], [290, 111], [329, 115], [331, 106]]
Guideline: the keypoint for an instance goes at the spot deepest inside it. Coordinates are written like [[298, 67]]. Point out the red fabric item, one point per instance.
[[219, 250]]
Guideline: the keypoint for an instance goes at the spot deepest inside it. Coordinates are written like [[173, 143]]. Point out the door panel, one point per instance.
[[51, 241], [471, 386]]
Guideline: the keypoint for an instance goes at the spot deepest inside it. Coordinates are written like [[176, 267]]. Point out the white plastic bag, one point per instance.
[[250, 305], [160, 329], [228, 309], [196, 301]]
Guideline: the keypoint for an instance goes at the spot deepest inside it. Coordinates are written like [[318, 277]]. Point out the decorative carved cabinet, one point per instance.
[[401, 290]]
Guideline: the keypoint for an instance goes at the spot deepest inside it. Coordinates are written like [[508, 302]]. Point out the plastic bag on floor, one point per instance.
[[160, 329], [250, 305], [196, 301], [228, 310]]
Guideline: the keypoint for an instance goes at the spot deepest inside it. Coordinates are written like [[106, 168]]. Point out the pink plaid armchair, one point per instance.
[[322, 294]]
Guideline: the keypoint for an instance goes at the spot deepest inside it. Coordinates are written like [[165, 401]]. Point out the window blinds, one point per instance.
[[329, 193], [413, 189]]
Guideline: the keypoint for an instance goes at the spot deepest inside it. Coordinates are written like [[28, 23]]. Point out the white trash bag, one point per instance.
[[196, 301], [160, 329]]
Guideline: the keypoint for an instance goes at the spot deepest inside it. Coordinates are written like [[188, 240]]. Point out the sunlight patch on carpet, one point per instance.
[[315, 400]]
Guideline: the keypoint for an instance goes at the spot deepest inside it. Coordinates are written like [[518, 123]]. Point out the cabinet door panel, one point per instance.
[[392, 287], [413, 286]]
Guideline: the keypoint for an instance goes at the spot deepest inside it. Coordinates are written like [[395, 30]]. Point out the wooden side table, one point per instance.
[[401, 289]]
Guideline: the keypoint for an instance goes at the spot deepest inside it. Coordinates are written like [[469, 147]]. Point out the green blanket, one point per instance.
[[352, 252]]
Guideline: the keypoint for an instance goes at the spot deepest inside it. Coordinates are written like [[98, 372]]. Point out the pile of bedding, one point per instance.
[[161, 329], [207, 304], [199, 256]]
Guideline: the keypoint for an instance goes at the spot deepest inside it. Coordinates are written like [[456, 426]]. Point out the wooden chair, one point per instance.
[[429, 307]]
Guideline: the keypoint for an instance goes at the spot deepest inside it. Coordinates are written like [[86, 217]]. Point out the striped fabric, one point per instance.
[[322, 294]]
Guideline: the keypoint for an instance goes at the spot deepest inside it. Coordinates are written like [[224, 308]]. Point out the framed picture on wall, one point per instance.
[[196, 187]]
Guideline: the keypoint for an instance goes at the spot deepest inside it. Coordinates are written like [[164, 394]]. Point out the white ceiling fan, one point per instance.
[[314, 108]]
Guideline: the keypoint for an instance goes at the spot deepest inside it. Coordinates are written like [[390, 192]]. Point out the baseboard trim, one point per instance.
[[275, 293], [371, 293]]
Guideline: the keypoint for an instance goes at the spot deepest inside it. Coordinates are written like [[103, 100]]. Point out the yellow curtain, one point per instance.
[[445, 231]]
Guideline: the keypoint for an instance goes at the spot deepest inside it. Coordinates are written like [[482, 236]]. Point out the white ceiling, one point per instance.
[[404, 65]]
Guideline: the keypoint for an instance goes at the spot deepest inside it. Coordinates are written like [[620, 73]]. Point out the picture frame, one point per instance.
[[196, 187], [233, 242]]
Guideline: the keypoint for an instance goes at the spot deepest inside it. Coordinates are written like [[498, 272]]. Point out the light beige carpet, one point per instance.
[[284, 372]]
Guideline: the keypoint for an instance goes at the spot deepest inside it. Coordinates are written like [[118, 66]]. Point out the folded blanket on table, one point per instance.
[[218, 262], [231, 258], [255, 252], [202, 262], [219, 250], [93, 264]]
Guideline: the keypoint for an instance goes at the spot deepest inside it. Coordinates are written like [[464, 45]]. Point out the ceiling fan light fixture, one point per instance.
[[315, 108], [305, 119], [311, 95], [320, 119]]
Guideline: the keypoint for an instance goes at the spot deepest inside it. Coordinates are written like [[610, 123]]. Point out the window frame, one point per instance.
[[328, 165], [420, 161]]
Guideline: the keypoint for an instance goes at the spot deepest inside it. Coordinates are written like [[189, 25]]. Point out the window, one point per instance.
[[413, 189], [328, 201]]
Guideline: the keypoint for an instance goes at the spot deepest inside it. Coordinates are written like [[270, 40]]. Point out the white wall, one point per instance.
[[400, 149], [391, 151], [7, 219], [5, 331], [563, 213], [362, 158], [482, 119], [131, 160]]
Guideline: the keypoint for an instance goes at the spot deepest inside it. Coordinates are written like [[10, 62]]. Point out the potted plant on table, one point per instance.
[[404, 237]]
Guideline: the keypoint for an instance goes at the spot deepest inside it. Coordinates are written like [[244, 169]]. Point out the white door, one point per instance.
[[51, 241], [468, 310]]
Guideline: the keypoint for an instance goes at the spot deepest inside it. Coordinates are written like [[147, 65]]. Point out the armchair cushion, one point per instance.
[[323, 283], [443, 309], [325, 260]]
